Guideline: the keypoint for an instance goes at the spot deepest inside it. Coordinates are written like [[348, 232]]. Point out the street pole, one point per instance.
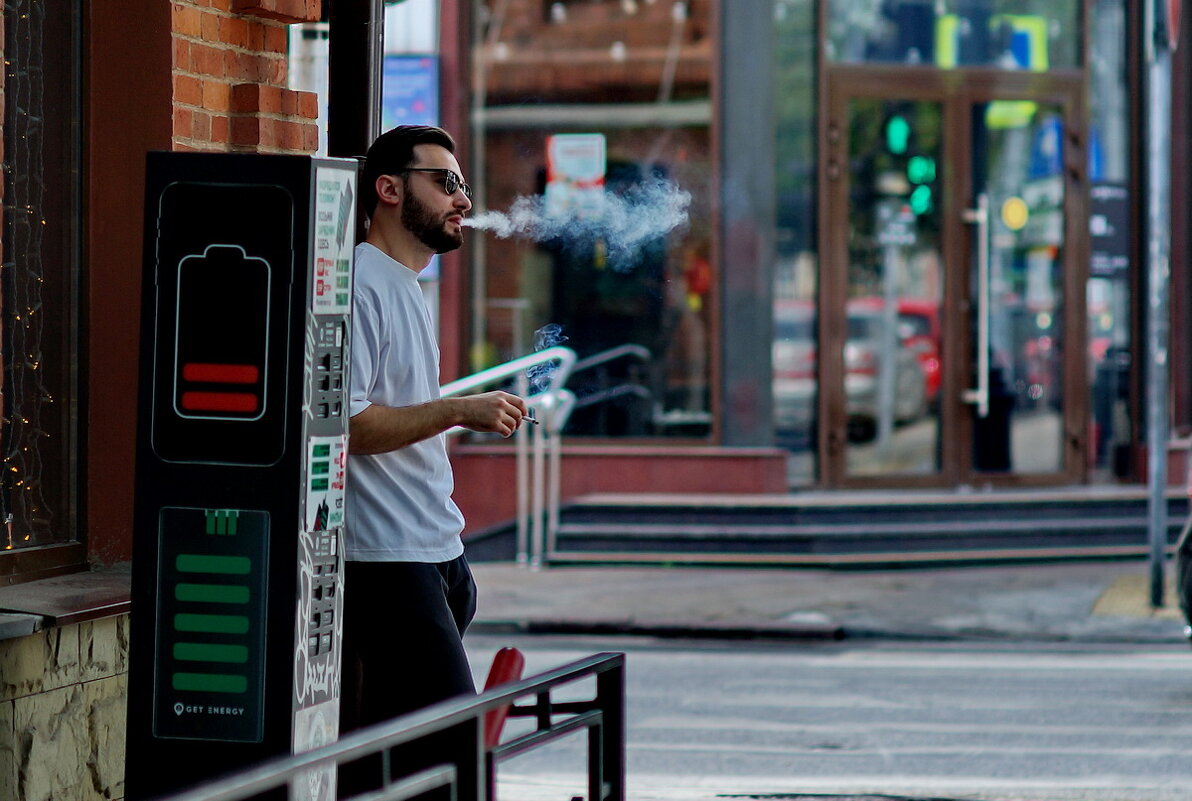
[[1158, 200]]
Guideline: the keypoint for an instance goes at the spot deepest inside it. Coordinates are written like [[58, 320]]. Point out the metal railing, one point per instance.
[[538, 447], [471, 771]]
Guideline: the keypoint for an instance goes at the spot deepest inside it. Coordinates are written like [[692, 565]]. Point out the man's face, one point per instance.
[[428, 212]]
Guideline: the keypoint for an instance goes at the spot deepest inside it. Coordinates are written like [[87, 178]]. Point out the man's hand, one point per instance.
[[492, 412], [380, 429]]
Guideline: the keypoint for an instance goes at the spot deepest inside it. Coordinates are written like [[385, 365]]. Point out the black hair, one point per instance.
[[392, 152]]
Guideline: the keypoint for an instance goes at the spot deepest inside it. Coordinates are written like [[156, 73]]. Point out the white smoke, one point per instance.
[[624, 223], [546, 337]]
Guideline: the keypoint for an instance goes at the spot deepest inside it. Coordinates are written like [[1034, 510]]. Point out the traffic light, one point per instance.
[[898, 134], [920, 171], [921, 200]]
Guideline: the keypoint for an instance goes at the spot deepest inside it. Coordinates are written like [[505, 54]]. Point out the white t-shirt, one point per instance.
[[399, 506]]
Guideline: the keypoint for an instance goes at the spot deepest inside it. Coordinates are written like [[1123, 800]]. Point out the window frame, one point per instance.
[[59, 548]]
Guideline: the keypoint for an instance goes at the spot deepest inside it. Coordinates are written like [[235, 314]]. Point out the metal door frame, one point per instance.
[[956, 90]]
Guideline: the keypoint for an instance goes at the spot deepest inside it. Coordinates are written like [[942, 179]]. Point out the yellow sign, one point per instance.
[[1015, 213]]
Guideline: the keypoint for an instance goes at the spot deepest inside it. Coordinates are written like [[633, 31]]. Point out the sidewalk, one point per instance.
[[1086, 602]]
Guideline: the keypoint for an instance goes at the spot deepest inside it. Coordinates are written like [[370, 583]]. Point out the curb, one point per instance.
[[802, 632], [663, 629]]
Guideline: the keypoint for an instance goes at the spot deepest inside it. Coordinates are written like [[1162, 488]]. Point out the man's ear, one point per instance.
[[389, 189]]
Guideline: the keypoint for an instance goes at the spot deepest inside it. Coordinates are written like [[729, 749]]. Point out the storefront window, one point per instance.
[[1032, 35], [37, 276], [1108, 296], [593, 173], [795, 278]]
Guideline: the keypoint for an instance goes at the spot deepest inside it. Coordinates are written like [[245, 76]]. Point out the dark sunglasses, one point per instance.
[[451, 181]]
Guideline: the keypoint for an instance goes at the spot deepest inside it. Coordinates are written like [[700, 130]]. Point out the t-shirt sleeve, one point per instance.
[[366, 349]]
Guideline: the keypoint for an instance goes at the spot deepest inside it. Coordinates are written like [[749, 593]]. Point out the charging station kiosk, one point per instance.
[[241, 451]]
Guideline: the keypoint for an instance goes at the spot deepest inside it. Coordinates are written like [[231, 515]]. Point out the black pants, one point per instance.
[[402, 648]]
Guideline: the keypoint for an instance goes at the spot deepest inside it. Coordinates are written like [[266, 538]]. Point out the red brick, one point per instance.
[[276, 71], [202, 126], [310, 138], [216, 95], [290, 136], [233, 31], [245, 131], [210, 27], [219, 129], [222, 5], [188, 90], [256, 35], [308, 105], [187, 20], [288, 102], [246, 98], [181, 54], [288, 11], [277, 39], [246, 67], [268, 130], [182, 122], [207, 60]]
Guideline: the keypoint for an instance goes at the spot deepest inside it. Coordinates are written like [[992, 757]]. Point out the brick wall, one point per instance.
[[229, 77]]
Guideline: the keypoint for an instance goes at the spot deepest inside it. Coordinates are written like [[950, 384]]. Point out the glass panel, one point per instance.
[[1108, 292], [37, 290], [1017, 165], [593, 178], [1007, 34], [795, 279], [893, 350]]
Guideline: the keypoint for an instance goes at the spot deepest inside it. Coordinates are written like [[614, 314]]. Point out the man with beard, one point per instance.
[[408, 592]]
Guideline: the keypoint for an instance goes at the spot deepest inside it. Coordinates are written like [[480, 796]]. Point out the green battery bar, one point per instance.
[[318, 484], [321, 450], [210, 652], [320, 468], [211, 624], [212, 593], [210, 682], [208, 563]]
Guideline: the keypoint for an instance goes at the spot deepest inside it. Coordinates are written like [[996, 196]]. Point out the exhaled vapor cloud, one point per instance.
[[625, 221]]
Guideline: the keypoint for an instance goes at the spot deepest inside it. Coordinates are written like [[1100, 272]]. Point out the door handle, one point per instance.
[[979, 216]]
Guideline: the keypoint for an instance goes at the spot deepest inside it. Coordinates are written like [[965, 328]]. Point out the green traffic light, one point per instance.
[[898, 134], [920, 169], [920, 200]]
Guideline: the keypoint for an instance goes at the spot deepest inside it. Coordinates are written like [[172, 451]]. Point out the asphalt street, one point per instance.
[[1029, 682]]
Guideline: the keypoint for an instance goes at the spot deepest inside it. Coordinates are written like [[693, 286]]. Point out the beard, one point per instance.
[[430, 230]]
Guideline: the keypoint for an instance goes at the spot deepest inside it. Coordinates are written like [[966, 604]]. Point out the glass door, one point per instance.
[[949, 292], [892, 350], [1024, 360]]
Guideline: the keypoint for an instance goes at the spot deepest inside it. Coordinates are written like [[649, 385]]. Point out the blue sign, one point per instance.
[[410, 91]]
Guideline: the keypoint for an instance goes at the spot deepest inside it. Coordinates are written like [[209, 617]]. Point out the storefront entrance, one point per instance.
[[951, 305]]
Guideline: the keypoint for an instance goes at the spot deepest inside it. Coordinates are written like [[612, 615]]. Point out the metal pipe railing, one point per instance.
[[470, 772], [538, 484]]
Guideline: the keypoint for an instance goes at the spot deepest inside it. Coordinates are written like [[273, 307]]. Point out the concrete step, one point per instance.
[[861, 529]]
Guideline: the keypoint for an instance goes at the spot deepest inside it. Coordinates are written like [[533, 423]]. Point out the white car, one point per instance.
[[794, 365]]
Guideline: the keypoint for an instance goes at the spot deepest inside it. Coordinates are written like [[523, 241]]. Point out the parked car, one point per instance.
[[794, 356]]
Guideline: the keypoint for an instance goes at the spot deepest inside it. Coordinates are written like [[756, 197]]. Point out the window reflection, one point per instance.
[[635, 77], [795, 387], [1007, 34]]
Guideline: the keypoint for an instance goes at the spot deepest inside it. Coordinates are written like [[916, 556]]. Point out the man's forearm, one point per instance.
[[380, 429]]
